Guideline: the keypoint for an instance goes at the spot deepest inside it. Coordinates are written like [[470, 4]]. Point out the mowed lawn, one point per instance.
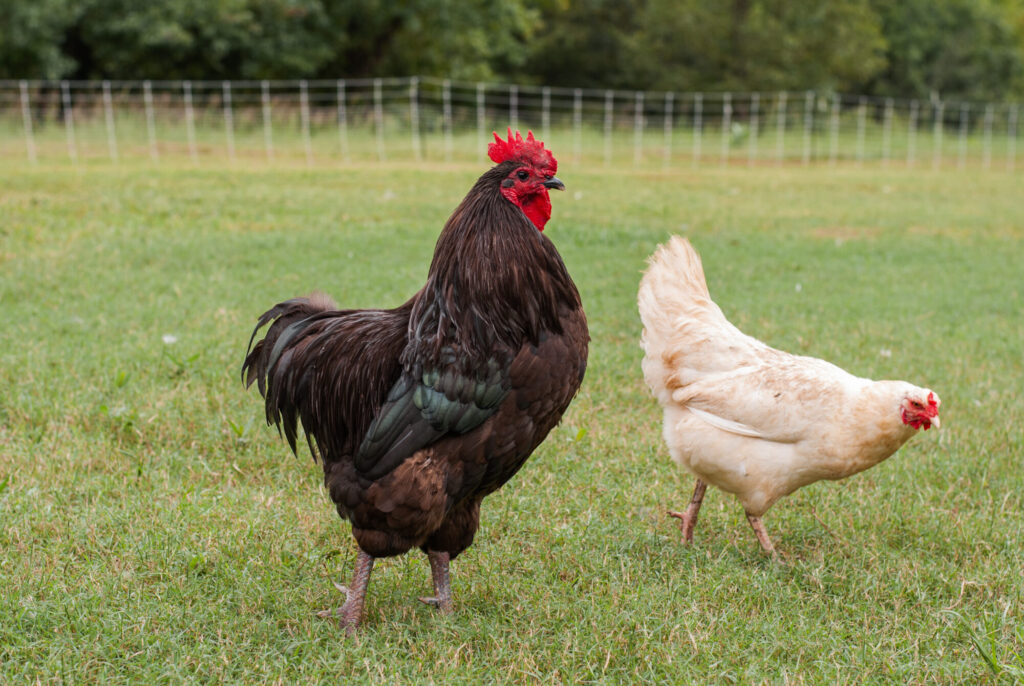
[[152, 528]]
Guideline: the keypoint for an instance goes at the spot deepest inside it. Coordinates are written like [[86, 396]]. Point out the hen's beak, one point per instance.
[[554, 182], [935, 422]]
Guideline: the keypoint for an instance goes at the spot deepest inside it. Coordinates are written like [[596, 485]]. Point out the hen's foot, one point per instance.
[[688, 518], [686, 524], [762, 536]]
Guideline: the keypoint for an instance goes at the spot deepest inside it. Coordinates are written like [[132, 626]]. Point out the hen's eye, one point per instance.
[[523, 175]]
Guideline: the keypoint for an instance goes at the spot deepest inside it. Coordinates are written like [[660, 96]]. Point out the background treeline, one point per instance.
[[954, 48]]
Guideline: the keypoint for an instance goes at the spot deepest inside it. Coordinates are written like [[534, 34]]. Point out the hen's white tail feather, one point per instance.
[[674, 285], [686, 337]]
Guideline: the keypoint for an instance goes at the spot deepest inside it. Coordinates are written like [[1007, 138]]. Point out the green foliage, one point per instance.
[[31, 33], [962, 48], [761, 44], [587, 43], [468, 39], [201, 39], [955, 48]]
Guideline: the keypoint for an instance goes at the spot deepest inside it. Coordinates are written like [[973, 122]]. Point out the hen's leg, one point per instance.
[[762, 536], [351, 613], [442, 598], [688, 519]]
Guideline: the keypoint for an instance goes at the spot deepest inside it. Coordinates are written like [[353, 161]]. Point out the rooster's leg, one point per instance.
[[442, 598], [688, 519], [351, 613], [762, 535]]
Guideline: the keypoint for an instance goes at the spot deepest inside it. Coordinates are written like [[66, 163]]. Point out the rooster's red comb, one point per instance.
[[530, 150]]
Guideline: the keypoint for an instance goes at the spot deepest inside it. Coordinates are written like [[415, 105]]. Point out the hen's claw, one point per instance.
[[688, 519]]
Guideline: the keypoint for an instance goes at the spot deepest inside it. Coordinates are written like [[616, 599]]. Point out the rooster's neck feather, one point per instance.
[[495, 281]]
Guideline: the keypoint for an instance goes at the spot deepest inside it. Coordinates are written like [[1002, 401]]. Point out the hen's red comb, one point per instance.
[[529, 150]]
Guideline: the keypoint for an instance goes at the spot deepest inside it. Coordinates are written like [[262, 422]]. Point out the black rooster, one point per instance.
[[419, 412]]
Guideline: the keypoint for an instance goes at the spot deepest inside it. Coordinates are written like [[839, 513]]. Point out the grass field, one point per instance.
[[153, 529]]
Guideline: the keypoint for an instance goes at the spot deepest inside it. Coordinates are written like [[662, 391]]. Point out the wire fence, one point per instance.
[[420, 118]]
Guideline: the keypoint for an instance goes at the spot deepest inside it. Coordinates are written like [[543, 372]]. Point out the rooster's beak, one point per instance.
[[553, 182]]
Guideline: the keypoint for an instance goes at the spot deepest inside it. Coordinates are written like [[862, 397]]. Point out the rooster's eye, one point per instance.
[[523, 175]]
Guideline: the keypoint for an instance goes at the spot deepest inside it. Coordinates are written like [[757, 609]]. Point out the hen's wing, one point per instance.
[[774, 396]]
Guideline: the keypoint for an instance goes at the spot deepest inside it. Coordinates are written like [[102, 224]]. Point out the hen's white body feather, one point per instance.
[[750, 419]]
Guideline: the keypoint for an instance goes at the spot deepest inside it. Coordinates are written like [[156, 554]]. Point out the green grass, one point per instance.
[[153, 529]]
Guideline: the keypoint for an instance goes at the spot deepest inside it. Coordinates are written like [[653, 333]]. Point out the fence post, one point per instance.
[[808, 125], [912, 133], [26, 116], [638, 128], [446, 114], [481, 136], [726, 143], [190, 123], [268, 126], [414, 116], [987, 150], [108, 117], [833, 128], [342, 119], [887, 132], [513, 106], [862, 111], [304, 120], [229, 119], [668, 128], [698, 126], [545, 113], [608, 105], [1011, 133], [755, 125], [780, 128], [937, 125], [69, 121], [577, 123], [147, 100], [378, 118], [961, 144]]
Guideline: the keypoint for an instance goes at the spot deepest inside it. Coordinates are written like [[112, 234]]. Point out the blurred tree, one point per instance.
[[958, 48], [462, 39], [199, 39], [760, 44], [952, 48], [31, 38], [588, 44]]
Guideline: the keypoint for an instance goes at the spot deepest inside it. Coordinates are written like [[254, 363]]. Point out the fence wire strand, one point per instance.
[[424, 118]]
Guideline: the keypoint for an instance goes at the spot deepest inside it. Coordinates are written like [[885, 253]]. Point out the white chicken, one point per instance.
[[752, 420]]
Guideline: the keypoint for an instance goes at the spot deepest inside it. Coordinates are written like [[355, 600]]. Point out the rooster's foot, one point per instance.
[[348, 615], [443, 605], [351, 613]]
